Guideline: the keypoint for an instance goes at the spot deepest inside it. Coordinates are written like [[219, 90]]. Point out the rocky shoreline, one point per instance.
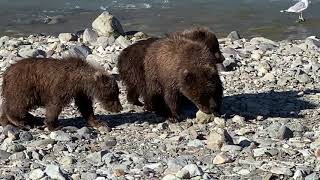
[[269, 128]]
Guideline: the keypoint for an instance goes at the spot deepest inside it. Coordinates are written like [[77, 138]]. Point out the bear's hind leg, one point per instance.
[[133, 96]]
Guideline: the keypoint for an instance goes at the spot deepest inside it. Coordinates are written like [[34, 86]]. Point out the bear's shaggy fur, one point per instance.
[[130, 61], [131, 70], [204, 35], [180, 67], [53, 83]]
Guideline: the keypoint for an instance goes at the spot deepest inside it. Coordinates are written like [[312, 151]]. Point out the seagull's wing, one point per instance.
[[297, 7]]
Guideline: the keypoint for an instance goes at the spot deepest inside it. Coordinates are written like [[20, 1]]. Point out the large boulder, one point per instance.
[[106, 25]]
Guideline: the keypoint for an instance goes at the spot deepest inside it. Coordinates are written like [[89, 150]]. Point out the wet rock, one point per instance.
[[106, 25]]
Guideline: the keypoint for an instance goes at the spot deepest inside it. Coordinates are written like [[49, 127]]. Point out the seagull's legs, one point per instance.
[[302, 19]]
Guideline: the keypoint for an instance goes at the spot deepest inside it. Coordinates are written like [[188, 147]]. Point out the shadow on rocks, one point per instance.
[[115, 119], [284, 104]]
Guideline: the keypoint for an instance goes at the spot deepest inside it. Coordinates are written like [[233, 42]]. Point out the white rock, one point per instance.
[[90, 36], [193, 170], [123, 41], [66, 37], [54, 172], [106, 25], [170, 177], [36, 174], [60, 136]]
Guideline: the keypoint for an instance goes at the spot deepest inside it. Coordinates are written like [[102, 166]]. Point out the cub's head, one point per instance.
[[107, 91]]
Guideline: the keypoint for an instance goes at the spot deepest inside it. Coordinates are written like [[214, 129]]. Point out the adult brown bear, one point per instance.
[[180, 67], [130, 61]]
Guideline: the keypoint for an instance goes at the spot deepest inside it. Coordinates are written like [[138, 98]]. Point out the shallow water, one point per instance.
[[249, 17]]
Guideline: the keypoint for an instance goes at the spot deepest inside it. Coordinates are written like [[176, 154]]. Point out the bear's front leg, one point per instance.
[[84, 104], [172, 100], [52, 113]]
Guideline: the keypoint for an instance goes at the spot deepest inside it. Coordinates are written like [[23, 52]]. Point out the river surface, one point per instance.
[[156, 17]]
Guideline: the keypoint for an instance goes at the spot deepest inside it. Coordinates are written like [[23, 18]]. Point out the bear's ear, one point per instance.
[[188, 76]]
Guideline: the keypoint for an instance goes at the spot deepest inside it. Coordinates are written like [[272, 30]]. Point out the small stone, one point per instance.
[[269, 77], [123, 41], [77, 51], [36, 174], [264, 150], [193, 170], [313, 176], [238, 119], [84, 132], [204, 118], [230, 64], [256, 56], [170, 177], [60, 136], [220, 122], [16, 148], [90, 36], [106, 25], [18, 156], [317, 153], [9, 129], [217, 138], [110, 142], [195, 143], [285, 133], [4, 155], [25, 136], [118, 172], [230, 148], [89, 176], [66, 37], [66, 161], [40, 144], [220, 158], [96, 158], [54, 172], [183, 174], [234, 35], [243, 172], [282, 170]]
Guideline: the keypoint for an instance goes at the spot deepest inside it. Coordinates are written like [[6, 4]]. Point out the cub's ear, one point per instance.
[[188, 76]]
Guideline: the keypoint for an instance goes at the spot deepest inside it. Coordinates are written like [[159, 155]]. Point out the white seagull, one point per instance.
[[298, 8]]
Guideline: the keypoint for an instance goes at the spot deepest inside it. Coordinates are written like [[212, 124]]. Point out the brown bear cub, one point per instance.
[[53, 83], [130, 61], [180, 67]]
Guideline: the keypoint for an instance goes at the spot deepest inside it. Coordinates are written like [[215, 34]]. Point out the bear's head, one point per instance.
[[203, 87], [107, 91]]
